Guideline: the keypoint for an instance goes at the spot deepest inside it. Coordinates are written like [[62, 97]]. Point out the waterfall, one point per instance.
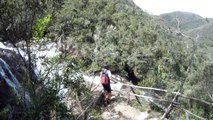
[[12, 81], [39, 53]]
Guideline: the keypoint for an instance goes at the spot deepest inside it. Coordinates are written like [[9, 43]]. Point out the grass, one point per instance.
[[96, 112]]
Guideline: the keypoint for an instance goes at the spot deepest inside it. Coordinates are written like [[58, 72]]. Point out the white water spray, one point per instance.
[[12, 81]]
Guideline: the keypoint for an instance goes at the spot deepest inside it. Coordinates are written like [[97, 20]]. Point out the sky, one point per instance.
[[204, 8]]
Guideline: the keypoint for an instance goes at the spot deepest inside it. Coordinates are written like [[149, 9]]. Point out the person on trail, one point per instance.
[[106, 77]]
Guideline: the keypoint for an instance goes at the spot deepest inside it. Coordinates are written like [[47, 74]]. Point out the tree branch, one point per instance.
[[207, 90], [91, 104], [152, 98], [189, 112], [175, 93], [170, 107]]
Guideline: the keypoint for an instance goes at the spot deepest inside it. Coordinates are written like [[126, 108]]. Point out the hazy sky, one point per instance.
[[203, 8]]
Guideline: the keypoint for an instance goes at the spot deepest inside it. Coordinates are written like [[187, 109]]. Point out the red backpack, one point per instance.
[[104, 78]]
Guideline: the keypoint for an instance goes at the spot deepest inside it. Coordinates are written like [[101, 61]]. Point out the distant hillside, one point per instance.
[[205, 33], [192, 25], [187, 20], [210, 20], [205, 36]]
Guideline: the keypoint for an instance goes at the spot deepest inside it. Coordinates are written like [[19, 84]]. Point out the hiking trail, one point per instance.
[[122, 106]]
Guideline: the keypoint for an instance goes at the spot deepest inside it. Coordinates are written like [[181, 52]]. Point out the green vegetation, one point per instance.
[[40, 26], [97, 111], [116, 32], [206, 38], [192, 25], [187, 20]]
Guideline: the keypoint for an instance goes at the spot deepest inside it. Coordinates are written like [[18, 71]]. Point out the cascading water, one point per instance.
[[39, 53], [9, 77], [12, 82]]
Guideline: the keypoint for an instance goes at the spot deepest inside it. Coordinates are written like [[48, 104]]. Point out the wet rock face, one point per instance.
[[6, 96], [15, 62], [17, 66], [8, 99]]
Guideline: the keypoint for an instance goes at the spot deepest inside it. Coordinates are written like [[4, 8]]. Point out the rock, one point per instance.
[[91, 118], [13, 73], [17, 64]]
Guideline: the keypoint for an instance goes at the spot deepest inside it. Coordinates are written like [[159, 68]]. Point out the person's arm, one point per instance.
[[100, 76], [110, 76]]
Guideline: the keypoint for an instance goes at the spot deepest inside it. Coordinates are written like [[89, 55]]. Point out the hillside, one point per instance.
[[205, 32], [192, 25], [205, 40], [187, 20], [60, 43], [210, 20]]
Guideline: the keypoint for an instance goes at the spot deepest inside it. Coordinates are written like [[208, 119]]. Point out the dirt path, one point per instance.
[[123, 111], [119, 107]]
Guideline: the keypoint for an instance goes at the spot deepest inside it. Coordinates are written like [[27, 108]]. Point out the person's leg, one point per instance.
[[108, 96], [105, 93], [108, 93]]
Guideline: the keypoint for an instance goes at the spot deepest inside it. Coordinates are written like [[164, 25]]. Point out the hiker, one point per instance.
[[106, 76]]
